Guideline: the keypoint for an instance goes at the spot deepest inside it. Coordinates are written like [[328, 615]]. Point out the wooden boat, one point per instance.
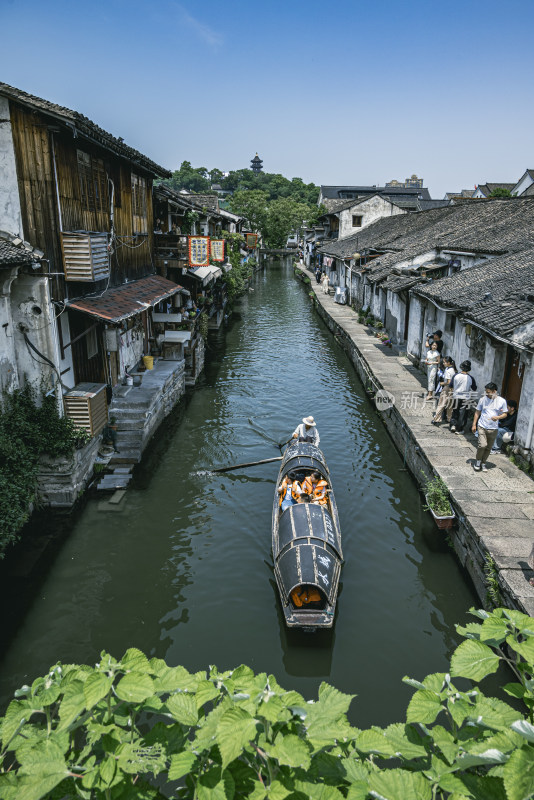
[[306, 546]]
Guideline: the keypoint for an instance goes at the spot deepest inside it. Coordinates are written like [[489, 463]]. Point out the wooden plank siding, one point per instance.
[[33, 140]]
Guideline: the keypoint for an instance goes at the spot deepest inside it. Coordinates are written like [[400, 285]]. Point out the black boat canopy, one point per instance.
[[303, 455], [309, 552], [307, 521]]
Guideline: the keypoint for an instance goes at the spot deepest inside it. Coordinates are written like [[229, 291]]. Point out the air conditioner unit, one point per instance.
[[86, 405], [85, 256]]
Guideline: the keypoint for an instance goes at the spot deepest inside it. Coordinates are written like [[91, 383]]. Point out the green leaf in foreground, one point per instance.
[[423, 707], [235, 729], [135, 687], [519, 775], [397, 784], [181, 764], [473, 660]]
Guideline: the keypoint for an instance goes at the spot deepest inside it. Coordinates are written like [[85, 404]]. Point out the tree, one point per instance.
[[284, 216], [252, 205], [194, 179], [500, 192]]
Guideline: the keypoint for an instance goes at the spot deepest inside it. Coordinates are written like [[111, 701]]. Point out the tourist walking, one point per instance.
[[462, 386], [490, 409], [325, 280], [432, 362], [445, 399]]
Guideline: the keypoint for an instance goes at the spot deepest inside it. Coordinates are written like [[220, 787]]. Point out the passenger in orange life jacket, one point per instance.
[[315, 486], [304, 498], [289, 491]]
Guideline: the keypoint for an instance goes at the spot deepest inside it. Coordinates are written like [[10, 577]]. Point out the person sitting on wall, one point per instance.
[[307, 431], [506, 430]]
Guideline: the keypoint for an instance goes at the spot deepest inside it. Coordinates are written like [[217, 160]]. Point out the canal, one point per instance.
[[182, 569]]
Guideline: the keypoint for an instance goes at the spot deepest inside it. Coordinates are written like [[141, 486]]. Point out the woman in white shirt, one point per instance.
[[445, 399], [432, 361]]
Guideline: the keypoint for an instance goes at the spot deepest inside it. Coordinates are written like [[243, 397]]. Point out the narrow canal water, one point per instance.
[[183, 568]]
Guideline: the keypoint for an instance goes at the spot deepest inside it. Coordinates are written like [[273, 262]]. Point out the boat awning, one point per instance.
[[205, 274], [126, 300]]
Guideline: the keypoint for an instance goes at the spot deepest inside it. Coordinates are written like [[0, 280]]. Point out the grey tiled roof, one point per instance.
[[493, 294], [485, 226], [209, 201], [84, 126], [488, 188], [425, 205], [332, 192], [11, 256]]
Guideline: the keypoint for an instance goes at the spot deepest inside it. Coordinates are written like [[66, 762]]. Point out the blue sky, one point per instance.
[[339, 92]]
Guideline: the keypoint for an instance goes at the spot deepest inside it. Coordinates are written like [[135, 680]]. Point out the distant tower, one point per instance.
[[256, 165]]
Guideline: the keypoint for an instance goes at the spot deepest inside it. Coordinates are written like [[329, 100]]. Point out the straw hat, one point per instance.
[[310, 422]]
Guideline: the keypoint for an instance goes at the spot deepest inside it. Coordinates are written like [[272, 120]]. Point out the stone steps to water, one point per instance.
[[114, 481]]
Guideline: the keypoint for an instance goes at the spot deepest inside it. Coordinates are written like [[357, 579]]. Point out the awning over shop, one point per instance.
[[126, 300], [205, 274]]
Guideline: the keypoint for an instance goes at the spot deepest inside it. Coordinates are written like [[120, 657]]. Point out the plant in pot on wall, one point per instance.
[[438, 503]]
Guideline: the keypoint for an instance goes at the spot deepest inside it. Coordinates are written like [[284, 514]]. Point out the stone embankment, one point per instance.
[[494, 534]]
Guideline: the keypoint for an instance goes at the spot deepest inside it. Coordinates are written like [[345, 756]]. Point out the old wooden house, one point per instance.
[[84, 198]]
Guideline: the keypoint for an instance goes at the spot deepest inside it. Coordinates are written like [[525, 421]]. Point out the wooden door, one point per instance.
[[513, 375]]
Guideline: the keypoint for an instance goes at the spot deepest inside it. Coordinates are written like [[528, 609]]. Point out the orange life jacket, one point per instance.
[[294, 489], [301, 596], [317, 491]]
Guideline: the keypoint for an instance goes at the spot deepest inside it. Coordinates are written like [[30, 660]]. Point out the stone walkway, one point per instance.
[[495, 509]]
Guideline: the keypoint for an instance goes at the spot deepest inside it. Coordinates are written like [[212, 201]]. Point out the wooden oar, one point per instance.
[[283, 444], [249, 464]]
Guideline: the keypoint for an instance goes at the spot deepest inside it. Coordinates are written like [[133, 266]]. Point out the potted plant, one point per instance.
[[438, 503]]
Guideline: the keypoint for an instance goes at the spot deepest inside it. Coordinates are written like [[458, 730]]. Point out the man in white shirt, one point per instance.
[[307, 431], [490, 409]]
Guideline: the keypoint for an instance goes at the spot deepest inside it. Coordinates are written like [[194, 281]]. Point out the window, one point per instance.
[[92, 343], [139, 204], [450, 323], [477, 345], [356, 221], [93, 182]]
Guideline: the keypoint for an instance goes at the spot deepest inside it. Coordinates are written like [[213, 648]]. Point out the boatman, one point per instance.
[[307, 431]]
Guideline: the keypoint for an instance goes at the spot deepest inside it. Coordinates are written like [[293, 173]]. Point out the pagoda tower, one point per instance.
[[256, 165]]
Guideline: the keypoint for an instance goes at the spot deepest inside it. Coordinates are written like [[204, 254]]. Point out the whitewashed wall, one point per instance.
[[370, 210], [131, 347], [10, 213]]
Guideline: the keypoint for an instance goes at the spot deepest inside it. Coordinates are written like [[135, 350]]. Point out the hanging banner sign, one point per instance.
[[251, 240], [199, 251], [217, 249]]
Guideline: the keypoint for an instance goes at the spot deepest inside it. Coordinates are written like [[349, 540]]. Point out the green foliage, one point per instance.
[[237, 277], [203, 325], [195, 179], [500, 192], [274, 185], [138, 728], [437, 495], [28, 429], [493, 590], [253, 206]]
